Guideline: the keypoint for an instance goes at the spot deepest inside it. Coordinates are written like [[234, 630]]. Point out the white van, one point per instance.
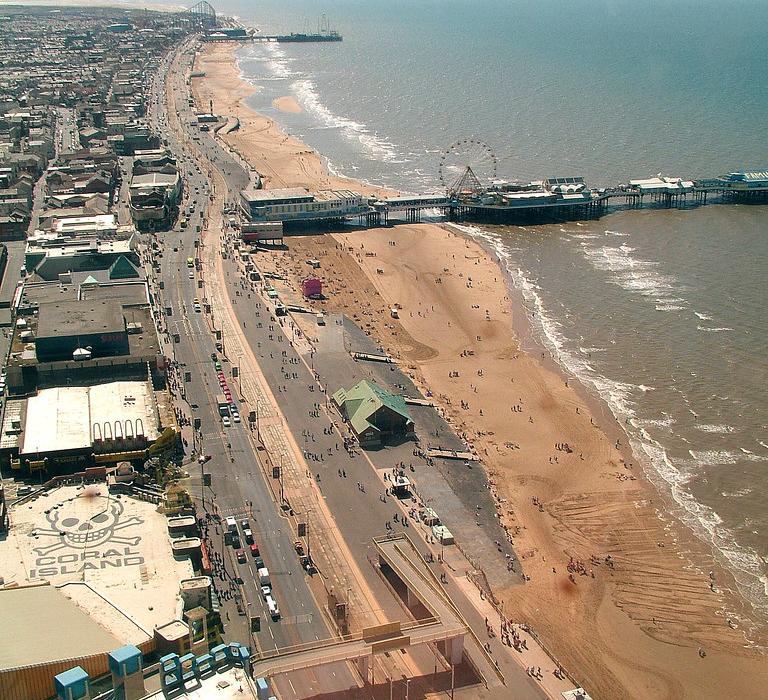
[[264, 577], [231, 524], [274, 610]]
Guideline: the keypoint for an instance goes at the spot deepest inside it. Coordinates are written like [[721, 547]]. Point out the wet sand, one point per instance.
[[643, 623], [287, 104]]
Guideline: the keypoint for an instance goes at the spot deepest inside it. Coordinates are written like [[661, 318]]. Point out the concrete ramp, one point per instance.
[[444, 624]]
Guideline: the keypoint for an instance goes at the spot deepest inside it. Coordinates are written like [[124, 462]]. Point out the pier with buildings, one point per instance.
[[549, 200]]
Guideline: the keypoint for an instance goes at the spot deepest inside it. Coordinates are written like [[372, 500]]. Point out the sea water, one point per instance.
[[660, 313]]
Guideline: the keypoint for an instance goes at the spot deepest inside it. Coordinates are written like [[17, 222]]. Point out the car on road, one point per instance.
[[266, 591], [240, 556], [191, 275], [236, 417], [198, 310], [248, 535], [226, 422], [274, 610], [254, 550]]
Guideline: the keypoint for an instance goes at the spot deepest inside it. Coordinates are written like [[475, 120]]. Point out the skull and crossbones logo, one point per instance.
[[73, 531]]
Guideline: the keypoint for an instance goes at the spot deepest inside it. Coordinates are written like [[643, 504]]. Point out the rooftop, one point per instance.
[[331, 195], [79, 224], [45, 626], [70, 317], [110, 555], [281, 193], [72, 417], [364, 399], [153, 179]]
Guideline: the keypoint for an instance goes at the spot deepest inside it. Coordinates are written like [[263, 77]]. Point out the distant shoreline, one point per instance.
[[126, 5]]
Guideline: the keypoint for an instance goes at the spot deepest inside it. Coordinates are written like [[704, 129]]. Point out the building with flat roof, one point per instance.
[[58, 635], [49, 256], [66, 427], [155, 190], [99, 226], [66, 326], [87, 327], [112, 579], [746, 181], [297, 204], [223, 673]]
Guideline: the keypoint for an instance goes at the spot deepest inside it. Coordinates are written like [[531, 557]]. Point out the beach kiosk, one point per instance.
[[401, 487]]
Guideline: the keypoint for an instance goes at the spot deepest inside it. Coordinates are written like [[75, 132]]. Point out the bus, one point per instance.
[[222, 404], [190, 262]]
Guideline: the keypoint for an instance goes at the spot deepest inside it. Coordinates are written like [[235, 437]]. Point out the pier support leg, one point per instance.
[[363, 665], [454, 649]]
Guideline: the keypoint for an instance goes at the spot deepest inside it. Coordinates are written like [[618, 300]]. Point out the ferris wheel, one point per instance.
[[467, 167]]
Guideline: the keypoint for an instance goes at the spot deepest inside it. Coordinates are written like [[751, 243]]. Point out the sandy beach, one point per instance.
[[282, 160], [619, 591]]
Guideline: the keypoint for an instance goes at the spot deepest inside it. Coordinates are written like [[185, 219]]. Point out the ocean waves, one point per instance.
[[635, 275], [270, 63], [374, 146]]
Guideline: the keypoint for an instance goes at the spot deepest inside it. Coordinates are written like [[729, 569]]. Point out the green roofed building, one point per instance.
[[122, 269], [374, 414]]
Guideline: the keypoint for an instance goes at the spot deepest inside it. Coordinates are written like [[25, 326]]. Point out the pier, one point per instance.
[[554, 199], [297, 38], [561, 199]]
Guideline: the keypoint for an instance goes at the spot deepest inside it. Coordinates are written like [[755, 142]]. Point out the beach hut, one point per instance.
[[312, 288]]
